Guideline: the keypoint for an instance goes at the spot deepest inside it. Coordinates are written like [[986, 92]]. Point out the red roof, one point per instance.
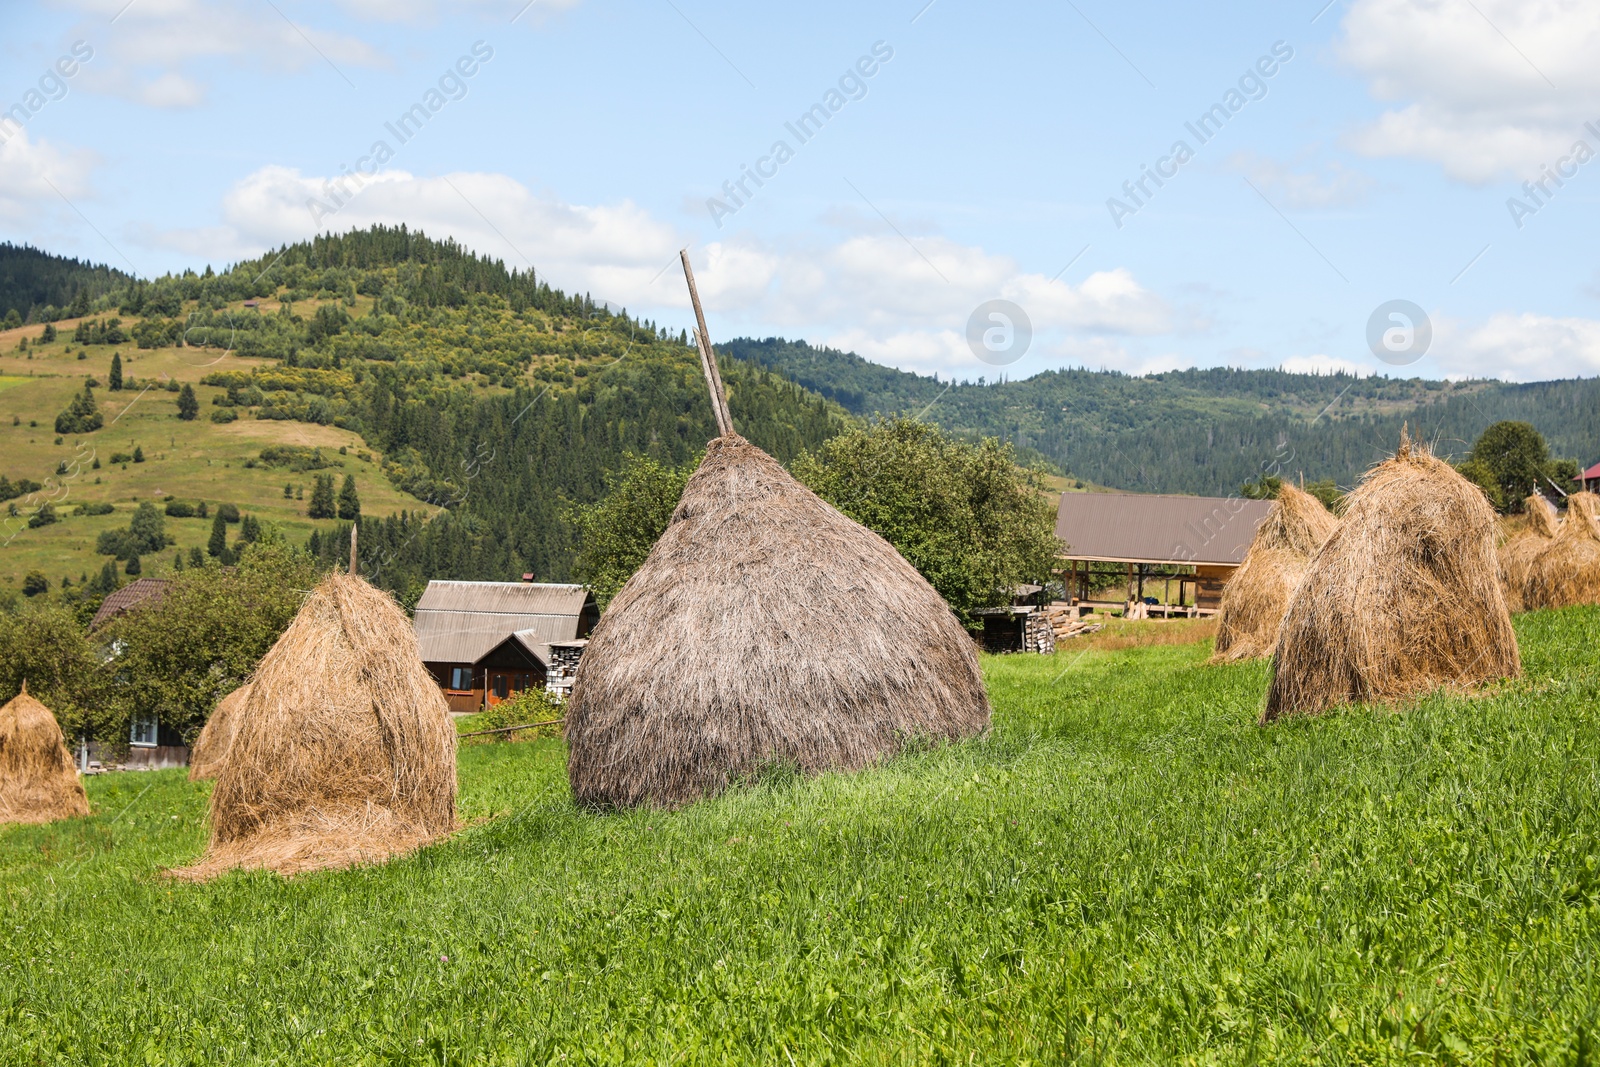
[[1592, 472], [138, 594]]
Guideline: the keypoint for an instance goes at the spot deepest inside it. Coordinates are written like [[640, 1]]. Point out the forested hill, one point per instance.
[[37, 285], [1198, 431], [482, 391]]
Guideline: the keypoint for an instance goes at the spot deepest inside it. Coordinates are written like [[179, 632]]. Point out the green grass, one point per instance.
[[1128, 870]]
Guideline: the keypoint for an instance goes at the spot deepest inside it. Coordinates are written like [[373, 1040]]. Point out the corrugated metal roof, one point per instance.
[[460, 622], [1146, 528], [514, 598]]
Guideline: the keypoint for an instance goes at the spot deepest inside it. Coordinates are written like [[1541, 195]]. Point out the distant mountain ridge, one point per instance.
[[32, 280], [1197, 431]]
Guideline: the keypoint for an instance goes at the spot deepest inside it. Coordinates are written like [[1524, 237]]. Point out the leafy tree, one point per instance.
[[322, 503], [43, 517], [1327, 491], [81, 415], [45, 645], [1515, 456], [35, 584], [228, 512], [349, 502], [972, 521], [615, 534], [1266, 488], [188, 405], [204, 638], [1479, 473], [148, 528], [114, 379]]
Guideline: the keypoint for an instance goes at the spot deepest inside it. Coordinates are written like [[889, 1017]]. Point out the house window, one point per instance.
[[461, 678], [500, 686], [143, 733], [522, 682]]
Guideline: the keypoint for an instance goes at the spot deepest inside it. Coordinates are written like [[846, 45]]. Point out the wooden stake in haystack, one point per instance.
[[764, 629]]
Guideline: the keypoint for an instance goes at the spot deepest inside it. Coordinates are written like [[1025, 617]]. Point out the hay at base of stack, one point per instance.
[[38, 782], [1566, 571], [765, 628], [1403, 598], [1525, 539], [211, 747], [1255, 598], [344, 751]]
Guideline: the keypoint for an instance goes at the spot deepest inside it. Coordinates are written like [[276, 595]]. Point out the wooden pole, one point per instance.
[[353, 528], [708, 357]]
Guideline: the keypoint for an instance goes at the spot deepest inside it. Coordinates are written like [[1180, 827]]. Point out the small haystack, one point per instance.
[[1525, 538], [765, 628], [1566, 570], [1255, 598], [1404, 596], [38, 782], [211, 747], [344, 750]]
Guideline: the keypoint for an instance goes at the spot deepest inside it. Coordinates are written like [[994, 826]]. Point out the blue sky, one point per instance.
[[977, 162]]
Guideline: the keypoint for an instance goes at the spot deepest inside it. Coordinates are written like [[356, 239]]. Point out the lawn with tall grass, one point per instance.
[[1129, 870]]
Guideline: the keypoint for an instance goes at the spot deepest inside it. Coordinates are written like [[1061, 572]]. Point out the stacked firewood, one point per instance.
[[1066, 624]]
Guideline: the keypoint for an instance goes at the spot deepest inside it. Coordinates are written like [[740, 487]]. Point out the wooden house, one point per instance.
[[152, 743], [1196, 542], [484, 642]]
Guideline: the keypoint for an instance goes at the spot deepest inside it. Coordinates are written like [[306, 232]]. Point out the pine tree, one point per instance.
[[188, 406], [288, 491], [349, 503], [114, 379], [133, 566], [217, 544], [322, 505], [138, 453]]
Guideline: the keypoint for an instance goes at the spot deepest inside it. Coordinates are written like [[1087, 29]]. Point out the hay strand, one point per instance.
[[1403, 598], [344, 751], [764, 628], [1255, 598], [1566, 569], [38, 782], [211, 747]]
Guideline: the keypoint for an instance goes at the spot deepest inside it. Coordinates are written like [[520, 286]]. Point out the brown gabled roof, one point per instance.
[[461, 622], [1147, 528], [143, 592]]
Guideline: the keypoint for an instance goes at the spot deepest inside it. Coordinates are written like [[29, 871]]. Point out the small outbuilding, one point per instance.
[[484, 642]]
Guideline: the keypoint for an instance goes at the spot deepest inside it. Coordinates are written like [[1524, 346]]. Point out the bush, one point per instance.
[[180, 509], [223, 415], [228, 512], [35, 584], [45, 516], [98, 508], [530, 705]]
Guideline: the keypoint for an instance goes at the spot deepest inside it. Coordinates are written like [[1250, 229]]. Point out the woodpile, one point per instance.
[[1065, 623]]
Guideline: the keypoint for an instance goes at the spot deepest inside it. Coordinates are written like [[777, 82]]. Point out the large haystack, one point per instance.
[[211, 747], [1404, 597], [38, 782], [1566, 570], [1255, 598], [1525, 537], [344, 750], [764, 628]]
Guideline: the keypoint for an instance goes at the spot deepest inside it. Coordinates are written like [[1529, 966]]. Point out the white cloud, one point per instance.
[[152, 55], [1519, 347], [1300, 185], [1325, 364], [39, 173], [1473, 85], [875, 293], [432, 10]]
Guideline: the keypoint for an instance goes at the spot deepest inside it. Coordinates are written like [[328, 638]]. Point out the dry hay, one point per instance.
[[764, 629], [38, 782], [1404, 597], [1525, 537], [1255, 598], [344, 751], [211, 747], [1566, 570]]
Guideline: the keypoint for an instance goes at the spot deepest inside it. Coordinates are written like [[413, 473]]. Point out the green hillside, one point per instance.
[[439, 379], [1199, 431]]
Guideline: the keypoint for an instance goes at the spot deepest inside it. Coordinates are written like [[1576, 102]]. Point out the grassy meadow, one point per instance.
[[1128, 870], [195, 461]]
